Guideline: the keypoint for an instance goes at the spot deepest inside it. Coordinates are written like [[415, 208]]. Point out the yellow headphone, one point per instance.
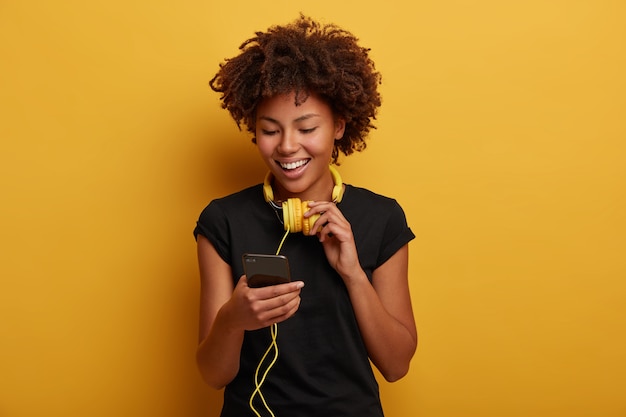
[[293, 208]]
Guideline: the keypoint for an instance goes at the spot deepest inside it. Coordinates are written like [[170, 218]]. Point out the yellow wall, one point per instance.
[[502, 134]]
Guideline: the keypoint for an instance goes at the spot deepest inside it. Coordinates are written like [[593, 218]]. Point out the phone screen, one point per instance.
[[263, 270]]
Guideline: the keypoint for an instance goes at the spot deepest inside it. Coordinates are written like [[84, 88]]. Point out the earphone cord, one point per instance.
[[273, 346], [257, 382], [283, 241]]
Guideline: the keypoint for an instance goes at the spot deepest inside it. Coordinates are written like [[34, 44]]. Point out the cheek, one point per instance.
[[321, 145], [264, 147]]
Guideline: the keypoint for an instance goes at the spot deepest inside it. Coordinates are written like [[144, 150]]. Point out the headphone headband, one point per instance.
[[337, 193]]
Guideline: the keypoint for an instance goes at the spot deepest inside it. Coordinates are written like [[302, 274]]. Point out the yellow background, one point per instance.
[[502, 134]]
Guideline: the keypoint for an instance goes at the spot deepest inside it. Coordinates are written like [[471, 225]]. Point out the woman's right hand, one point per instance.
[[227, 310], [255, 308]]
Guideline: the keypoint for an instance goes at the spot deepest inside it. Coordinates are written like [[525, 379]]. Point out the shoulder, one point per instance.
[[232, 207], [224, 215], [239, 200], [247, 195], [362, 205], [360, 192], [378, 223], [366, 199]]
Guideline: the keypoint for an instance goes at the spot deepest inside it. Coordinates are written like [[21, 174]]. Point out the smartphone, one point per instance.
[[263, 270]]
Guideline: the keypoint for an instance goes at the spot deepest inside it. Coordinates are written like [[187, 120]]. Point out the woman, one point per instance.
[[307, 92]]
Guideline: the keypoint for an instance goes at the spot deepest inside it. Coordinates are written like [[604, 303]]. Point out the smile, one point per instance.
[[293, 165]]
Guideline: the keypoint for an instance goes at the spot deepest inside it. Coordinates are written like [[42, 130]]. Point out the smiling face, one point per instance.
[[296, 143]]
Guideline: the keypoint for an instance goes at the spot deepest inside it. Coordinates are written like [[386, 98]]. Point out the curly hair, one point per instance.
[[304, 57]]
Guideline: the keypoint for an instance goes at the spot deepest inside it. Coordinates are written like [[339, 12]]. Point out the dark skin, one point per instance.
[[382, 308]]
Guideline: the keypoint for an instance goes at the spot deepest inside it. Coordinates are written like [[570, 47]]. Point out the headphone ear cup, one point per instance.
[[292, 215], [297, 215], [306, 224]]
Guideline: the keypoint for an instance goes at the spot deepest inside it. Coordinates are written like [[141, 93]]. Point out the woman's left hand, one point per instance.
[[335, 234], [383, 306]]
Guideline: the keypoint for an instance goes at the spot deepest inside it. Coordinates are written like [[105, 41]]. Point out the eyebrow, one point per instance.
[[299, 119]]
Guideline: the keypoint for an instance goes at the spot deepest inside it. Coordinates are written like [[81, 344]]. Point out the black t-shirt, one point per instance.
[[323, 368]]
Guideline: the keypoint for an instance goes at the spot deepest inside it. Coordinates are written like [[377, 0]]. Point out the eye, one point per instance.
[[269, 132], [307, 131]]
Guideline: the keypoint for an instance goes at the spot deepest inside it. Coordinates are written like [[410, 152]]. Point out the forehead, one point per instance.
[[283, 107]]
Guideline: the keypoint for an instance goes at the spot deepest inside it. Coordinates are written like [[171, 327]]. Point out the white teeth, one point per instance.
[[293, 165]]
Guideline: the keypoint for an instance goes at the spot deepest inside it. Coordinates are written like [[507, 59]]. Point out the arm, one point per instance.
[[385, 316], [226, 311], [383, 308]]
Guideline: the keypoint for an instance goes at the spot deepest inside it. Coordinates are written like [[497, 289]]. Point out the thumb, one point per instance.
[[243, 281]]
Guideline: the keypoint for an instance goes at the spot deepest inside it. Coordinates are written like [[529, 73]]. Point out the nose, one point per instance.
[[288, 142]]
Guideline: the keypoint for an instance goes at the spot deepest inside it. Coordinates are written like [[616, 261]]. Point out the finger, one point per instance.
[[318, 207], [281, 313], [330, 222], [282, 289], [272, 291], [321, 222], [336, 228], [243, 281], [271, 298], [274, 308]]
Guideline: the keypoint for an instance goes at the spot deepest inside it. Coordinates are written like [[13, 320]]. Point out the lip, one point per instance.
[[292, 173]]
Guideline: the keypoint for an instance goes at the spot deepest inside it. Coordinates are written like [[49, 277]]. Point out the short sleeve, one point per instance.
[[214, 225], [396, 234]]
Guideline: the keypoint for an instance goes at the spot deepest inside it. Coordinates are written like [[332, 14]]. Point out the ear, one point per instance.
[[340, 127]]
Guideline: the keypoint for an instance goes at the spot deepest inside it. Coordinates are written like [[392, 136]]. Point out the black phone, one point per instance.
[[263, 270]]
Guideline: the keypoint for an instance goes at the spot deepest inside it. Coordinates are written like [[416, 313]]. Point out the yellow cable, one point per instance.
[[257, 383], [283, 241], [273, 345]]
